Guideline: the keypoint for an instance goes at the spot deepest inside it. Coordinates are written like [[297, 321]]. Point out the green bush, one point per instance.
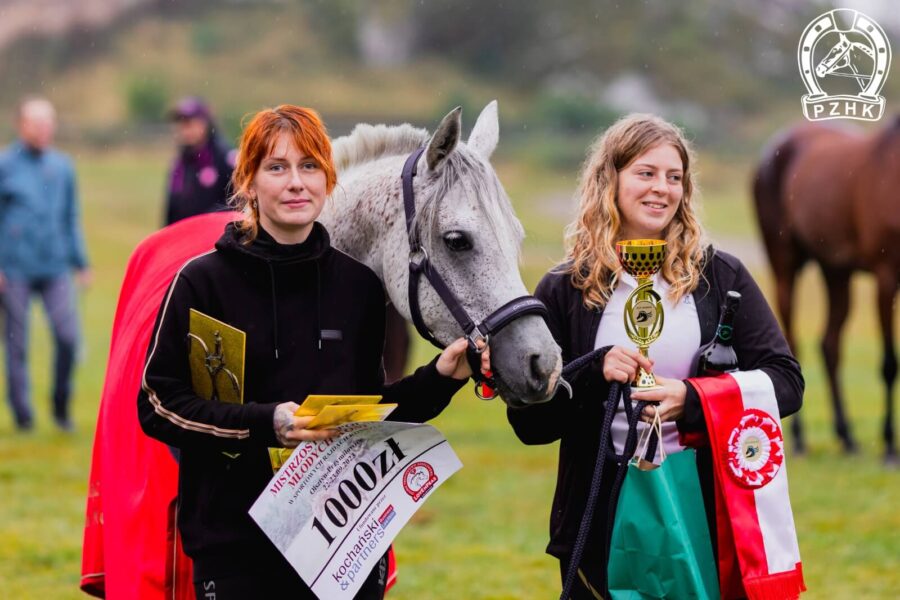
[[147, 99], [444, 103], [547, 149], [206, 38], [571, 113], [230, 121]]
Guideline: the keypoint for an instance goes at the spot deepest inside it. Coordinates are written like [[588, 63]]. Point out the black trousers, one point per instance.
[[590, 582], [266, 584]]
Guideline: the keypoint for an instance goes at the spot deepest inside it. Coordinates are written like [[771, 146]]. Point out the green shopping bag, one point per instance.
[[660, 545]]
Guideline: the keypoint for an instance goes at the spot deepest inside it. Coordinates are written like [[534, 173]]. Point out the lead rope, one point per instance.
[[581, 539], [615, 390]]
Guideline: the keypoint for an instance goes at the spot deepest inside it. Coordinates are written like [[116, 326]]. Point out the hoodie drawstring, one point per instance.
[[319, 303], [274, 307]]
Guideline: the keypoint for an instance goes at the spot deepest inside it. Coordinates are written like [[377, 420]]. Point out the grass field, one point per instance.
[[483, 533]]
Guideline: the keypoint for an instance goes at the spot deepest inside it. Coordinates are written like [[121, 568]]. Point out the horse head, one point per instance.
[[836, 58], [466, 226]]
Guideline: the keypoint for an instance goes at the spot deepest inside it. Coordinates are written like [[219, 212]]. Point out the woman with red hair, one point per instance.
[[314, 324]]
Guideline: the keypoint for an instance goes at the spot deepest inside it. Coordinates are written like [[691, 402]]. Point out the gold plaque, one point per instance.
[[216, 355]]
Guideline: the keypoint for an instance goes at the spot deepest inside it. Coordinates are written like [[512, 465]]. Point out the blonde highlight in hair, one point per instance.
[[308, 133], [591, 239]]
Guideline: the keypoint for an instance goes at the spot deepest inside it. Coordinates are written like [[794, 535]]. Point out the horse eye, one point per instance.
[[457, 241]]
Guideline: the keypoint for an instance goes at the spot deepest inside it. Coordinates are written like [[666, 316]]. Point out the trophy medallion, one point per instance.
[[643, 314]]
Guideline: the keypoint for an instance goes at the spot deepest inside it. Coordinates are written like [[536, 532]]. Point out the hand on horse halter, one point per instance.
[[670, 394], [291, 430], [453, 362]]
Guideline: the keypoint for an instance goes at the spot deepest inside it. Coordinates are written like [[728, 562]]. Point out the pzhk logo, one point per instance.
[[844, 59]]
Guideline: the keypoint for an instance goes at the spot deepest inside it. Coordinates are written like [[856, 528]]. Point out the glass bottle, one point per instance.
[[718, 356]]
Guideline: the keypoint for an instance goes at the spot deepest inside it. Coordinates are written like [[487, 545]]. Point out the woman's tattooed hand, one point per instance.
[[283, 421], [291, 430]]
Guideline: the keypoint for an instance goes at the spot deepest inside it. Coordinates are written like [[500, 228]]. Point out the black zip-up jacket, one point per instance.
[[314, 320], [758, 342]]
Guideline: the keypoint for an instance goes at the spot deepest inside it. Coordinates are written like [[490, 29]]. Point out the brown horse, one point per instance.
[[832, 196]]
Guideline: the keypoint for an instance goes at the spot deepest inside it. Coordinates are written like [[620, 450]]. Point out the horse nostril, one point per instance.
[[539, 374]]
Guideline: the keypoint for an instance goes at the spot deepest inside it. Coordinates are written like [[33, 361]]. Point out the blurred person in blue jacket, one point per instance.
[[41, 245], [201, 173]]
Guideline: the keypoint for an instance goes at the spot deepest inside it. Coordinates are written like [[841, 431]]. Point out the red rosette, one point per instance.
[[755, 449]]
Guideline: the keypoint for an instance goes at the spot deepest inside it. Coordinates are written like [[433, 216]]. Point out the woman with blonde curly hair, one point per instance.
[[638, 183]]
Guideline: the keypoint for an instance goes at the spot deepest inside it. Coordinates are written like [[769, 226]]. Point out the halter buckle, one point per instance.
[[476, 336]]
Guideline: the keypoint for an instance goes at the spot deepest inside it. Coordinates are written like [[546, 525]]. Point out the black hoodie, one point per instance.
[[314, 320]]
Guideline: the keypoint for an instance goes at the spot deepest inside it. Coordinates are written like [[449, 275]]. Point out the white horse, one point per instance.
[[468, 229]]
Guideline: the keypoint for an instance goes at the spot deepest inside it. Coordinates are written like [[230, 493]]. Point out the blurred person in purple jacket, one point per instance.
[[200, 176]]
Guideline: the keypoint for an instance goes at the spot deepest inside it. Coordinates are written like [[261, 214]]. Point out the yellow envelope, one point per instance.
[[334, 415], [361, 408], [315, 403], [279, 456]]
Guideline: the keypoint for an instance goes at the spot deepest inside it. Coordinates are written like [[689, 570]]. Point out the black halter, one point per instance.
[[419, 265]]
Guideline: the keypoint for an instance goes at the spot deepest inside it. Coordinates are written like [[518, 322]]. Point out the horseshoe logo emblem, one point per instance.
[[841, 46]]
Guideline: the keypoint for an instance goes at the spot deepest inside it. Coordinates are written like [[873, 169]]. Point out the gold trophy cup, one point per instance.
[[643, 309]]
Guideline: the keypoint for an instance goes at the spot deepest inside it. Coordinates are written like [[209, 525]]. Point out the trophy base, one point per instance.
[[644, 381], [635, 388]]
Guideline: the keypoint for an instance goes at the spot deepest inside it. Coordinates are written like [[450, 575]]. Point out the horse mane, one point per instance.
[[370, 142], [367, 143]]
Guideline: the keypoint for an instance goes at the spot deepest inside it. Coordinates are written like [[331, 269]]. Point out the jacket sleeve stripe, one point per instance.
[[174, 418], [238, 434]]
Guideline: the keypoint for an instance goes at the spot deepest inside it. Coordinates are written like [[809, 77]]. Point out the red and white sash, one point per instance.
[[758, 553]]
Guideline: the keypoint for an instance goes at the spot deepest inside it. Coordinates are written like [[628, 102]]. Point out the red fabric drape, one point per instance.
[[130, 547]]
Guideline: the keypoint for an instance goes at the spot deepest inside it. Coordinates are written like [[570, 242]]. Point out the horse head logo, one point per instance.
[[844, 43], [843, 61]]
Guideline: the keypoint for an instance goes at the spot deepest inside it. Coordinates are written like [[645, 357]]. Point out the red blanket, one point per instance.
[[130, 544]]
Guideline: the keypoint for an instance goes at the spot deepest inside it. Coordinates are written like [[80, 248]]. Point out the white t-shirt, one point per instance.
[[672, 352]]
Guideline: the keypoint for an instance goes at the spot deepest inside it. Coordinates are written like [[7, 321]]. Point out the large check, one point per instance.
[[335, 506]]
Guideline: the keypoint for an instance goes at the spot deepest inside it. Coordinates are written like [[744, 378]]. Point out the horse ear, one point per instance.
[[486, 133], [445, 138]]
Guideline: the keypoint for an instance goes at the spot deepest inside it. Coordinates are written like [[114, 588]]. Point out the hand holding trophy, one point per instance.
[[643, 313]]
